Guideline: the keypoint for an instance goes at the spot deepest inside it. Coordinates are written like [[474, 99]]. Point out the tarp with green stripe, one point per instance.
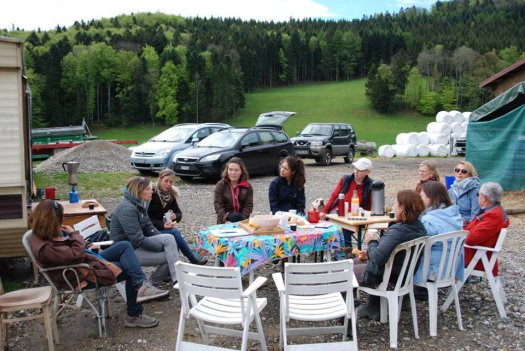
[[496, 139]]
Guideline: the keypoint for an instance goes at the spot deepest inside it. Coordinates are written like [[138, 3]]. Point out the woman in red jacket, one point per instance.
[[485, 226]]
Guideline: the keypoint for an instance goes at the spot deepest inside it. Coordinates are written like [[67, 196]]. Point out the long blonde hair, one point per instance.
[[166, 172]]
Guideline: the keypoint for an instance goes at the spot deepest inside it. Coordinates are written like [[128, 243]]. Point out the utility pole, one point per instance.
[[197, 88]]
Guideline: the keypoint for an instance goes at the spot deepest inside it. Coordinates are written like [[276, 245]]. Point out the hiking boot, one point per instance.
[[149, 292], [141, 321]]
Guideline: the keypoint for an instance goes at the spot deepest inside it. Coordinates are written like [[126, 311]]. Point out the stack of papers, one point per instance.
[[229, 232]]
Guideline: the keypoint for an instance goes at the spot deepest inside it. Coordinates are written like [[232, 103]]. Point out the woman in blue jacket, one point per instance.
[[440, 217], [287, 190], [464, 191]]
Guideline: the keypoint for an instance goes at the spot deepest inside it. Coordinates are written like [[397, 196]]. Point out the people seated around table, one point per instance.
[[464, 191], [427, 171], [369, 268], [130, 222], [233, 197], [440, 216], [54, 244], [164, 213], [485, 226], [287, 190], [359, 181]]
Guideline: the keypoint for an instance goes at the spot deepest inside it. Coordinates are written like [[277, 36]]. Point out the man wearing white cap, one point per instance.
[[360, 181]]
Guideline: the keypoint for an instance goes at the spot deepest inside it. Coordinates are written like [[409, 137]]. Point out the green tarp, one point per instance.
[[496, 139]]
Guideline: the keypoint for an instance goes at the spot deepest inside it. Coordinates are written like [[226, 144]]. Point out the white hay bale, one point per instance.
[[407, 138], [456, 128], [423, 138], [386, 151], [457, 116], [438, 150], [405, 150], [439, 138], [464, 125], [444, 117], [422, 150], [438, 127], [466, 116], [462, 135]]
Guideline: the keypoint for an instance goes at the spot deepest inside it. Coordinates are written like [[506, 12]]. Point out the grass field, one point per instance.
[[328, 102]]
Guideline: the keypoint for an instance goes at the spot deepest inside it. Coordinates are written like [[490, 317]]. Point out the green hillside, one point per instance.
[[330, 102]]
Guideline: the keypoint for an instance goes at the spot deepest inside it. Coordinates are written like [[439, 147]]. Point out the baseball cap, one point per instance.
[[363, 164]]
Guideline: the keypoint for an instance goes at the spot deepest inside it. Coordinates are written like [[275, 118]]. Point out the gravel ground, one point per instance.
[[484, 330]]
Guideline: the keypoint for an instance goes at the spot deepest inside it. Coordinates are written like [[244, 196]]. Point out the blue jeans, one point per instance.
[[123, 255], [183, 245]]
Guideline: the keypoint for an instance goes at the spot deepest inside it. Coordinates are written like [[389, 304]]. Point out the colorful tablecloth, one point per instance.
[[251, 251]]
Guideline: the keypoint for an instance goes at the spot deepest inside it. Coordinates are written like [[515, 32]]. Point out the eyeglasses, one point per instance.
[[460, 170]]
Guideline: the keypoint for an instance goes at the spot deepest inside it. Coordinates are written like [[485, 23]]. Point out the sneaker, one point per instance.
[[149, 292], [141, 321], [202, 261]]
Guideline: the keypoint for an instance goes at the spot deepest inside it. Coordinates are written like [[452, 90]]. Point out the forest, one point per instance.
[[157, 68]]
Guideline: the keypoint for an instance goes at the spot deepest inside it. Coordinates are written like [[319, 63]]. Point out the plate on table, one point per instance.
[[229, 232]]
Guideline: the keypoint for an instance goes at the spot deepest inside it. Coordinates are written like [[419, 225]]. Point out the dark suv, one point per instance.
[[324, 141]]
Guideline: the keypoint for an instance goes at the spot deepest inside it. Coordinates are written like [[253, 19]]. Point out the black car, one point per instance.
[[324, 141], [261, 150]]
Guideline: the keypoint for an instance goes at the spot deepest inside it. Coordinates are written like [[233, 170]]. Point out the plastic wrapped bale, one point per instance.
[[438, 127], [422, 150], [457, 116], [438, 150], [423, 138], [466, 116], [444, 117], [456, 128], [464, 125], [405, 150], [386, 151], [407, 139], [439, 138]]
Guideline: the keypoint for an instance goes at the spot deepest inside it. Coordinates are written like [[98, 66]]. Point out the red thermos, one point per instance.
[[341, 205]]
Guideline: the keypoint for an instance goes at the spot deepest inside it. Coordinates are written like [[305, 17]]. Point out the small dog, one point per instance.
[[318, 204]]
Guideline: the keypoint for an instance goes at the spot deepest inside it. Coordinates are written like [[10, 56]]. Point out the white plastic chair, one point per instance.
[[488, 264], [215, 295], [392, 297], [28, 299], [73, 296], [312, 292], [88, 226], [452, 248]]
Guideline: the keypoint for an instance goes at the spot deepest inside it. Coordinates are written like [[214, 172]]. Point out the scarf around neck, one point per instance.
[[164, 196]]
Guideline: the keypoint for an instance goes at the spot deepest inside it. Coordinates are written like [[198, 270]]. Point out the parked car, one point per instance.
[[156, 153], [324, 141], [261, 148]]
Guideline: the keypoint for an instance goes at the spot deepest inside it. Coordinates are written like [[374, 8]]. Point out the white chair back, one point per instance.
[[88, 226], [452, 247], [215, 295], [410, 251]]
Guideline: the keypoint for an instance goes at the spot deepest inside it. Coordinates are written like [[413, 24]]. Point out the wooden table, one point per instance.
[[357, 224], [74, 213]]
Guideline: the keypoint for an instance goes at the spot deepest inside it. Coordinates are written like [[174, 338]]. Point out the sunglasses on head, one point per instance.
[[460, 170]]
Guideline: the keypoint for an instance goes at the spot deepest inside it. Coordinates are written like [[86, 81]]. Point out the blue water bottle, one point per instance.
[[73, 195]]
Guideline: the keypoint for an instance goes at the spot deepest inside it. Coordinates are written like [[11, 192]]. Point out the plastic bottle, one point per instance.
[[341, 205], [354, 207]]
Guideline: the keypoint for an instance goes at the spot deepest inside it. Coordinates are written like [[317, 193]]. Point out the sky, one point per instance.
[[47, 14]]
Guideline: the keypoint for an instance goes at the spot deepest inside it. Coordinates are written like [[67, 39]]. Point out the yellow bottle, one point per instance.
[[354, 207]]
